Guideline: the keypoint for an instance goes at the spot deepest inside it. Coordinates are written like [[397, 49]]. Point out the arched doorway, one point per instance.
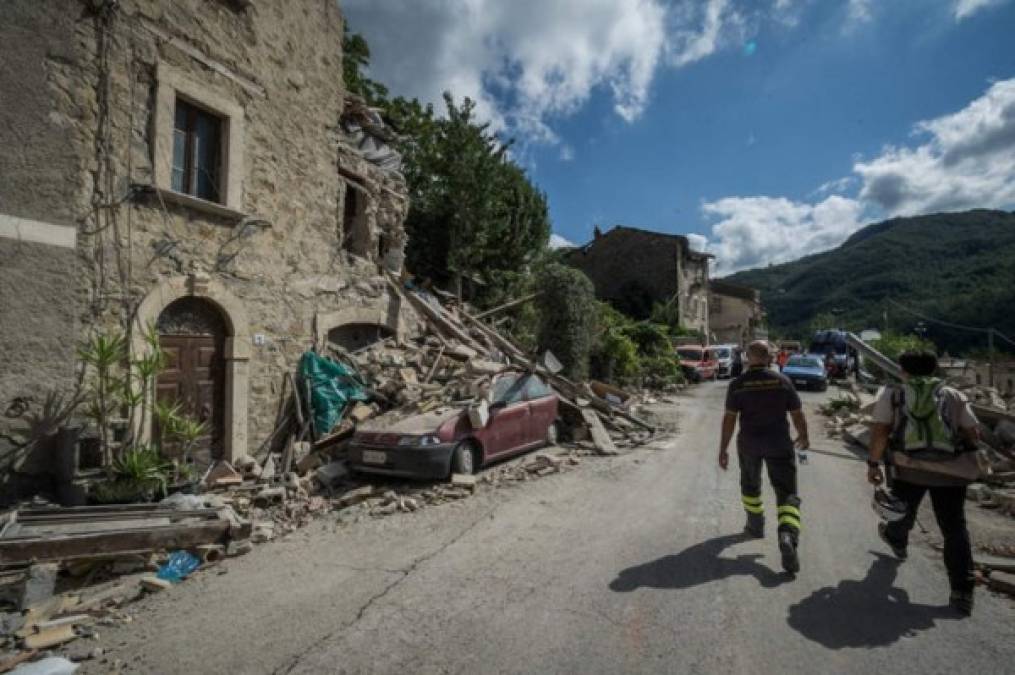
[[192, 333]]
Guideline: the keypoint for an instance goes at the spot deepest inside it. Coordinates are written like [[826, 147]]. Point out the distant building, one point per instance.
[[634, 269], [735, 313]]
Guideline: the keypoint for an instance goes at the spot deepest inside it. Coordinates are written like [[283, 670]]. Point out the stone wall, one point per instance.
[[633, 269], [276, 251], [630, 266], [735, 312]]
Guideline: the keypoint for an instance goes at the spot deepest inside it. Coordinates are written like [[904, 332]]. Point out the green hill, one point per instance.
[[958, 267]]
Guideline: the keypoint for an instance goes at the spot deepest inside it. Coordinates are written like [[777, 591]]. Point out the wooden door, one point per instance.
[[192, 335], [195, 379]]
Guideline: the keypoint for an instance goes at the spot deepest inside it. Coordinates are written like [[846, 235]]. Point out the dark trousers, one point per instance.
[[949, 508], [782, 475]]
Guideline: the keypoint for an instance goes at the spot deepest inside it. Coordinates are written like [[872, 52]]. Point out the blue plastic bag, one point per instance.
[[178, 567]]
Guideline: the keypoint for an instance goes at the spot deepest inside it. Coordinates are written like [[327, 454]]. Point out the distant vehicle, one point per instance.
[[737, 367], [806, 372], [831, 346], [523, 416], [724, 360], [698, 363]]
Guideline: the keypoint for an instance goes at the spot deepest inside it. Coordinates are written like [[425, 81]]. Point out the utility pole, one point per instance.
[[990, 350]]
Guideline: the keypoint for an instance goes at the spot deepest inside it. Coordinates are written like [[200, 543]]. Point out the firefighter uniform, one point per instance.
[[762, 398]]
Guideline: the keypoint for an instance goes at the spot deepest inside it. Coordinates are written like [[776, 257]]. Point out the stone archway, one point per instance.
[[235, 350], [385, 316]]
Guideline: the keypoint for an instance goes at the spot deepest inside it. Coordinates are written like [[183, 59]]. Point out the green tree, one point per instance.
[[567, 317], [473, 212]]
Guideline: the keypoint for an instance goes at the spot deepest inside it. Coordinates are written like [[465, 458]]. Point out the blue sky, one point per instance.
[[768, 129]]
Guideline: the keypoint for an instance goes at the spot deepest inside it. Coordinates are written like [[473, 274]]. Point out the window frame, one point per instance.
[[173, 84], [191, 151]]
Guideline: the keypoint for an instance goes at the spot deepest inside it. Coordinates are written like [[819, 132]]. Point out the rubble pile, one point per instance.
[[299, 475]]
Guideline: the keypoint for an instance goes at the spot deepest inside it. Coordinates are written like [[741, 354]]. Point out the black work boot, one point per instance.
[[755, 525], [962, 602], [899, 550], [787, 546]]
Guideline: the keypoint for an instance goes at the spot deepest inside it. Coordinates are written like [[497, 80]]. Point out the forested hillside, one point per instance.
[[959, 267]]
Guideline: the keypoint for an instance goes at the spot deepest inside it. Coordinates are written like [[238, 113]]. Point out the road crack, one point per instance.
[[380, 595]]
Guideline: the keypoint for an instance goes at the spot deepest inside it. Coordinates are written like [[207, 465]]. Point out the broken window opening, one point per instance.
[[355, 336], [356, 233], [197, 152]]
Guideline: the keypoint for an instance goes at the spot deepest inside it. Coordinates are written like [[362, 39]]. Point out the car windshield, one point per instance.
[[722, 353], [804, 362], [689, 354], [508, 388]]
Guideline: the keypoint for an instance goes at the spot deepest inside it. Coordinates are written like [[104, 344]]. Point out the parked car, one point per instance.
[[698, 363], [724, 360], [806, 371], [522, 416]]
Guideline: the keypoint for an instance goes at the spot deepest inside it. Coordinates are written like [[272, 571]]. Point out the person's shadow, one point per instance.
[[866, 613], [697, 565]]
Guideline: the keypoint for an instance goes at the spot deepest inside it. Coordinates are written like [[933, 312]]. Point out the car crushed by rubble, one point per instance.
[[519, 414]]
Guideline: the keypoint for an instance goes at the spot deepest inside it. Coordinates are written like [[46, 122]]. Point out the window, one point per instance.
[[197, 152], [508, 388], [536, 388]]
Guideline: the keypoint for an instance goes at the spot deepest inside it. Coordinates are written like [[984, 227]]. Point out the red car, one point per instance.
[[523, 416], [698, 363]]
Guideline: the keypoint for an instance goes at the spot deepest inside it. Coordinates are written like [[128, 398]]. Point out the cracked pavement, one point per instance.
[[626, 564]]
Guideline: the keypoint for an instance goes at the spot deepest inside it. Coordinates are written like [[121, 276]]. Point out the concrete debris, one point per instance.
[[155, 584]]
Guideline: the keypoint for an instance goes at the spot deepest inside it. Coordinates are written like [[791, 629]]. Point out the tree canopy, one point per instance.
[[473, 212]]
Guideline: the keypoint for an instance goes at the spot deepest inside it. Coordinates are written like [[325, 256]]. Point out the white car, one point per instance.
[[724, 359]]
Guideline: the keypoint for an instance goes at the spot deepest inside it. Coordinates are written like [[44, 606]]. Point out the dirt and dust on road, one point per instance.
[[630, 563]]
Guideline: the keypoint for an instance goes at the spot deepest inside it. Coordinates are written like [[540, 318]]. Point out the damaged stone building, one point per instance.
[[735, 313], [196, 166], [635, 269]]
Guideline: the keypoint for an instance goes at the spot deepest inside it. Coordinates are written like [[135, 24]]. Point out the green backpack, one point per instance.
[[922, 426]]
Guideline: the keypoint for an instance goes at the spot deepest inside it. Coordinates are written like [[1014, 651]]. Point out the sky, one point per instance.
[[765, 130]]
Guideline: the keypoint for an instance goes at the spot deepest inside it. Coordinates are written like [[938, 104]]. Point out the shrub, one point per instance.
[[567, 317]]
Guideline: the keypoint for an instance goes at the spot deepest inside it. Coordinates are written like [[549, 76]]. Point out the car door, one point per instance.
[[509, 414], [542, 409]]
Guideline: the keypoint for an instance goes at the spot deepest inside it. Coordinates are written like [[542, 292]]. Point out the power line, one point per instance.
[[949, 324]]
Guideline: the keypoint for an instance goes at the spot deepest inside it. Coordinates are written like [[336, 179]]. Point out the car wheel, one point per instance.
[[552, 433], [463, 459], [823, 386]]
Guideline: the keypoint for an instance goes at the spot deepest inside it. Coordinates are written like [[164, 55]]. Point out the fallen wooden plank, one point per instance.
[[600, 437], [50, 637], [507, 305], [69, 547]]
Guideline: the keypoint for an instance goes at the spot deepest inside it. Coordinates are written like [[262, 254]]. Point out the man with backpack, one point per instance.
[[930, 434]]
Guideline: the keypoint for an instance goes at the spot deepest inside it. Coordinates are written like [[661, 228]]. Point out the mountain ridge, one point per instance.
[[956, 267]]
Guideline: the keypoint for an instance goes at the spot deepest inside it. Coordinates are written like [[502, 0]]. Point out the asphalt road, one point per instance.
[[632, 564]]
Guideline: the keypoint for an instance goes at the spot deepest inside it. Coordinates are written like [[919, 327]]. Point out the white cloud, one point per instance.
[[697, 30], [699, 242], [525, 61], [557, 241], [859, 11], [753, 231], [963, 9], [566, 153], [968, 160]]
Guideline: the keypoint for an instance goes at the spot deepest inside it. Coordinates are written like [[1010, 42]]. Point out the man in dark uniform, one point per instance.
[[761, 398]]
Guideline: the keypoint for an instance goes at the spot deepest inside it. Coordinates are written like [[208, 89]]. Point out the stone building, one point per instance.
[[634, 269], [189, 165], [735, 313]]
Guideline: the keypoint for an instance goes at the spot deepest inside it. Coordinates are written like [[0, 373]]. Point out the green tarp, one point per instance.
[[332, 386]]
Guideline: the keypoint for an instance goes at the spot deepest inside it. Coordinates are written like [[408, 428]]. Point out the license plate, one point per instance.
[[374, 457], [801, 382]]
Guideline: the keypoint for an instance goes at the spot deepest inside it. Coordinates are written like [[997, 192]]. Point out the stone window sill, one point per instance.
[[197, 204]]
